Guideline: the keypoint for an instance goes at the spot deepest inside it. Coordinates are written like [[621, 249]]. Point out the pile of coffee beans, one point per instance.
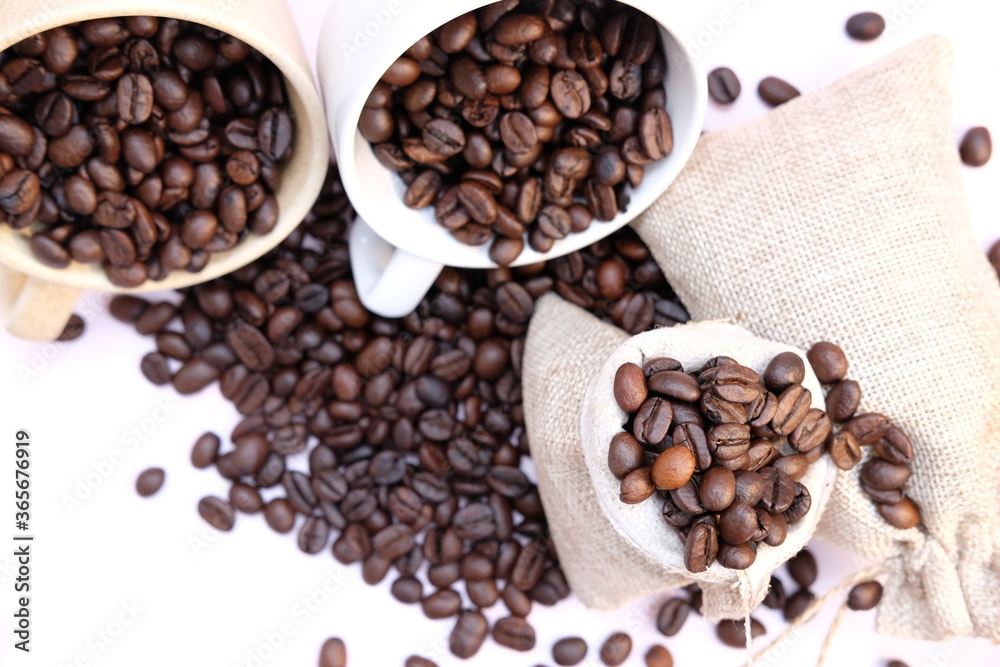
[[885, 474], [412, 429], [525, 118], [707, 443], [139, 143]]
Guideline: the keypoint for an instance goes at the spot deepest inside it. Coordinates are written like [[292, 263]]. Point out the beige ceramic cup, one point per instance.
[[36, 301]]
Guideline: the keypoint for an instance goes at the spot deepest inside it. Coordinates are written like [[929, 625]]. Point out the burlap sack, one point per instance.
[[611, 552], [841, 216]]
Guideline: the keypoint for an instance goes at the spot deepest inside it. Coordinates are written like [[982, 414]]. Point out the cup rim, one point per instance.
[[311, 154], [347, 141]]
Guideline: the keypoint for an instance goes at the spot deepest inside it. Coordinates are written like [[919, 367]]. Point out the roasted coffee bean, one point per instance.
[[845, 452], [569, 651], [884, 475], [868, 428], [828, 361], [733, 632], [217, 512], [659, 656], [514, 633], [656, 134], [637, 486], [672, 615], [625, 454], [803, 568], [673, 468], [149, 482], [800, 504], [723, 85], [776, 597], [630, 387], [797, 604], [794, 404], [842, 400], [976, 147], [775, 91], [468, 634], [894, 447], [717, 489], [779, 490], [701, 546], [811, 432], [865, 26], [417, 661], [442, 604], [864, 596], [652, 421], [785, 369], [333, 653], [675, 384], [616, 649], [903, 514], [737, 556]]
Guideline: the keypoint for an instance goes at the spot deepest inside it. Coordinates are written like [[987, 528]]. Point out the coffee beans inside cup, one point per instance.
[[524, 121], [139, 143]]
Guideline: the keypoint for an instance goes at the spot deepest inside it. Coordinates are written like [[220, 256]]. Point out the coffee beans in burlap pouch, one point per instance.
[[613, 548], [841, 216]]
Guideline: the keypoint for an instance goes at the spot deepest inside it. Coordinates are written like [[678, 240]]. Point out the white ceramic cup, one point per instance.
[[36, 300], [396, 252]]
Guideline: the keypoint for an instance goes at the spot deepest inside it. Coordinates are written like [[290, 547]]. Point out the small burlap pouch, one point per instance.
[[611, 551], [841, 216]]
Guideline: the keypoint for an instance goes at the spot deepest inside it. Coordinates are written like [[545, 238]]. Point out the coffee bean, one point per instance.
[[794, 404], [630, 387], [811, 432], [884, 475], [865, 26], [800, 504], [616, 649], [976, 147], [672, 615], [797, 604], [656, 134], [828, 361], [803, 568], [783, 370], [701, 546], [673, 468], [468, 634], [149, 481], [659, 656], [723, 85], [217, 512], [779, 490], [894, 447], [333, 653], [569, 651], [864, 596], [637, 486], [845, 450], [417, 661], [652, 421], [775, 91], [514, 633], [733, 632], [776, 597]]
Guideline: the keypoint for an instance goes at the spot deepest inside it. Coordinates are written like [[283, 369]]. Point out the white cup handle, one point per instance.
[[390, 282]]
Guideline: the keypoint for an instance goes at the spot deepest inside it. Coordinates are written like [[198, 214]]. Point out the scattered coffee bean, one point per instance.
[[616, 649], [797, 604], [672, 615], [733, 633], [723, 85], [659, 656], [802, 567], [217, 512], [149, 481], [976, 147], [333, 653], [865, 26], [864, 596], [775, 91], [73, 329], [828, 361]]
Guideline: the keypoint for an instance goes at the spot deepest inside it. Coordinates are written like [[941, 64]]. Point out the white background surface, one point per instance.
[[192, 597]]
